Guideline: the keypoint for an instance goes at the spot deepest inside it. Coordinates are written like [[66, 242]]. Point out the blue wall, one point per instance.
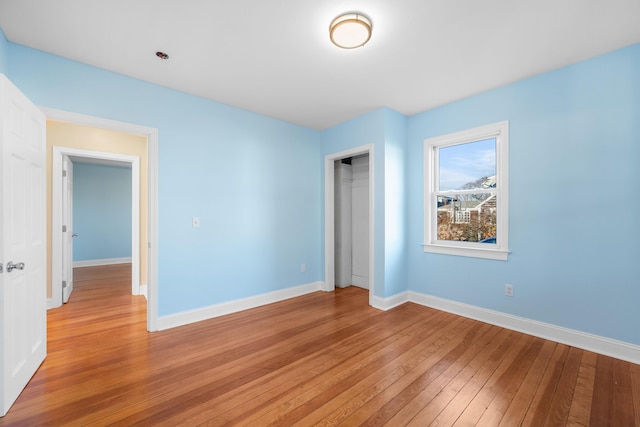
[[386, 130], [395, 196], [364, 130], [4, 56], [101, 212], [574, 175], [255, 182]]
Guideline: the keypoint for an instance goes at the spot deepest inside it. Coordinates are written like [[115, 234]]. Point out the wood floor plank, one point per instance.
[[387, 383], [287, 378], [543, 398], [517, 409], [428, 404], [435, 344], [234, 406], [498, 348], [378, 406], [222, 377], [344, 369], [510, 383], [319, 359], [581, 403], [408, 401], [623, 408], [635, 391], [558, 413], [602, 403], [509, 364]]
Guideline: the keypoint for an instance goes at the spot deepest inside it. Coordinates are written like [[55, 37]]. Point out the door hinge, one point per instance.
[[64, 174], [64, 228], [64, 284]]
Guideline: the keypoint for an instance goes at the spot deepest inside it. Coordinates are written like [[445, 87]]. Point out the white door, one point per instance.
[[343, 179], [67, 228], [360, 222], [23, 293]]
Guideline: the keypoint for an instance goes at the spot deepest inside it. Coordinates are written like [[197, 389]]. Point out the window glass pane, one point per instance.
[[467, 218], [468, 166]]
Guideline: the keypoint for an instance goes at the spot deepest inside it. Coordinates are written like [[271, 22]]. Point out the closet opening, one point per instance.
[[351, 218]]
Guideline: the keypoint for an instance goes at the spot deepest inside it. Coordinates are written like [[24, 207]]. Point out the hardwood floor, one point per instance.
[[320, 359]]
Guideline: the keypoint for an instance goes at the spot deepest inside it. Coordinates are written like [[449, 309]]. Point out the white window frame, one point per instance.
[[499, 251]]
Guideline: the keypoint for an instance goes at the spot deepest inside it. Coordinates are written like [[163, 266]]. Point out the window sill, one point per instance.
[[495, 254]]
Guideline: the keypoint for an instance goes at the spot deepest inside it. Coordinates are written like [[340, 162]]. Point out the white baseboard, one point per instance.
[[104, 261], [360, 281], [184, 318], [50, 304], [598, 344], [389, 302]]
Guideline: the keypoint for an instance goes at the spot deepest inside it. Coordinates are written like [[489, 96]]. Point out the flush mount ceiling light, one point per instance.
[[350, 30]]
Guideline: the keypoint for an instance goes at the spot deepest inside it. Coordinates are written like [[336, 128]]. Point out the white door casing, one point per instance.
[[67, 228], [329, 215], [23, 292], [152, 189], [61, 208]]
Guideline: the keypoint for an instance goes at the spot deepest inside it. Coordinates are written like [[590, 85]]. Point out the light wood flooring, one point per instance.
[[320, 359]]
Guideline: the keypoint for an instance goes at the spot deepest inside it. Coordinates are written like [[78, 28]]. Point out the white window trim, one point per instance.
[[500, 250]]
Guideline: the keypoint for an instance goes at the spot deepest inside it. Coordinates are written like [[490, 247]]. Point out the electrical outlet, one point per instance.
[[195, 222], [508, 290], [303, 268]]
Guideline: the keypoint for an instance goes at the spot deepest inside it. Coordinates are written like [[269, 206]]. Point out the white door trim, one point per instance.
[[57, 214], [329, 220], [67, 218], [152, 182]]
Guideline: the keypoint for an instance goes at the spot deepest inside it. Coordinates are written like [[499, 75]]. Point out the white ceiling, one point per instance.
[[275, 58]]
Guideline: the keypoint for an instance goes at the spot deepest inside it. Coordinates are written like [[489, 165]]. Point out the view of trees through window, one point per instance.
[[466, 195]]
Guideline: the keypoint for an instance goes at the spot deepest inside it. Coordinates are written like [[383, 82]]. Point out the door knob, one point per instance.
[[11, 266], [74, 234]]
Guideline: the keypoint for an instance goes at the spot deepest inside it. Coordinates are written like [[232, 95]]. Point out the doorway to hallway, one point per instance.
[[74, 143]]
